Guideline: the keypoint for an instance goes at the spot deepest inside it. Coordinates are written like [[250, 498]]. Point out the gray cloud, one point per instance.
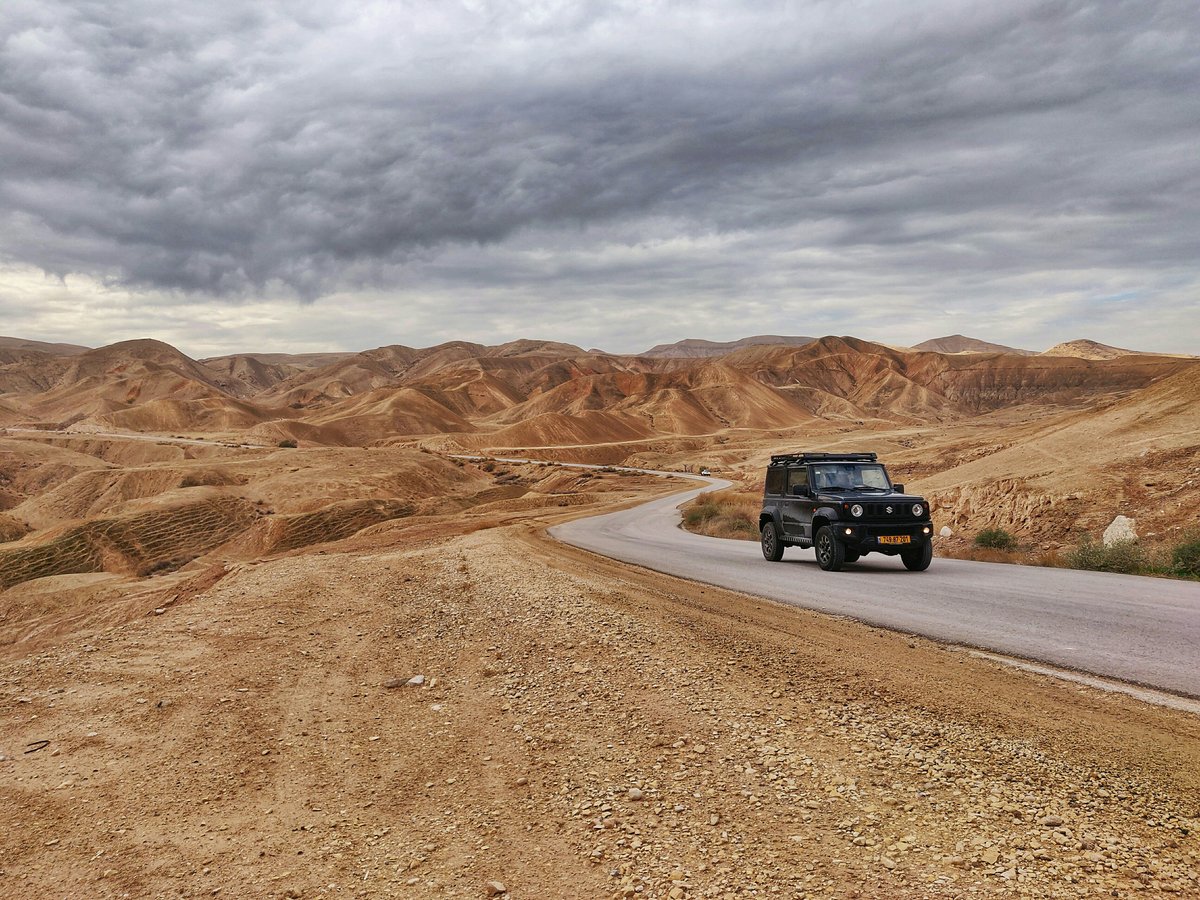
[[803, 152]]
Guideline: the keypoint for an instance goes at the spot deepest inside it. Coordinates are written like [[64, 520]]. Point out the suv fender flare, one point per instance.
[[829, 514], [770, 516]]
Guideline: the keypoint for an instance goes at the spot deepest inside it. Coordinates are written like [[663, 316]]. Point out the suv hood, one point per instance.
[[869, 497]]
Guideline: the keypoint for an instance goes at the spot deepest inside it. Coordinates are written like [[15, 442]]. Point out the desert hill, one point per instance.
[[695, 348], [526, 392], [23, 345], [293, 361], [113, 378], [957, 343], [1086, 349]]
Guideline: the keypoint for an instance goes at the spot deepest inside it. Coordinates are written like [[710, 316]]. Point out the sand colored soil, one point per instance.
[[584, 730]]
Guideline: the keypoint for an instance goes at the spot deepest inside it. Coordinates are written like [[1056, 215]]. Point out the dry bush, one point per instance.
[[1126, 557], [1185, 557], [995, 539], [724, 514], [1047, 559]]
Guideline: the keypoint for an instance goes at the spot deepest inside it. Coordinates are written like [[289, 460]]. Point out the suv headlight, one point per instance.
[[856, 510], [918, 509]]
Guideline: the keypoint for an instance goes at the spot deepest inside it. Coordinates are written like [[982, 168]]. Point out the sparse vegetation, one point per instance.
[[724, 514], [995, 539], [288, 443], [1126, 557], [1185, 557]]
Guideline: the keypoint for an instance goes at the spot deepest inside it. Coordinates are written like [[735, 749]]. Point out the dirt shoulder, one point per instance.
[[584, 729]]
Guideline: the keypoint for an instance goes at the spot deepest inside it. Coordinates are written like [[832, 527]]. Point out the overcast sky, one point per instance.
[[297, 175]]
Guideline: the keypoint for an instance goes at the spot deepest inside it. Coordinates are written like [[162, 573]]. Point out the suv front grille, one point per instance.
[[889, 512]]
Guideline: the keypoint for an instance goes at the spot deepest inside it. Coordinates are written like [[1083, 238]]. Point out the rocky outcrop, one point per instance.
[[1006, 503]]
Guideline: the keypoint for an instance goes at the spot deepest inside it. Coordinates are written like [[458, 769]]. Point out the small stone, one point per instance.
[[163, 703], [495, 888], [990, 856], [522, 781], [676, 893], [946, 531], [160, 610], [888, 862], [635, 793], [415, 681], [292, 894], [1050, 821]]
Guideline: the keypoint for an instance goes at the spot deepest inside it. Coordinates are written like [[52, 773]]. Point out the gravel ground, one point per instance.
[[582, 729]]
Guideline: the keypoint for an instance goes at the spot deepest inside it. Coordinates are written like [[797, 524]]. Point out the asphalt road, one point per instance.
[[1136, 629]]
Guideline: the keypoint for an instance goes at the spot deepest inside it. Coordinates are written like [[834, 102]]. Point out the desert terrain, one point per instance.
[[263, 635]]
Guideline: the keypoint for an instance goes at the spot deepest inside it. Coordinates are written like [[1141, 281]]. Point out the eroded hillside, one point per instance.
[[1049, 445]]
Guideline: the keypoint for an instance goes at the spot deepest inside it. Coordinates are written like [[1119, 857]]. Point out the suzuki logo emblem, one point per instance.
[[889, 509]]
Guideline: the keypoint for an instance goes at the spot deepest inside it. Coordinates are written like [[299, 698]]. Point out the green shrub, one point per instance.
[[1126, 557], [995, 539], [1185, 558]]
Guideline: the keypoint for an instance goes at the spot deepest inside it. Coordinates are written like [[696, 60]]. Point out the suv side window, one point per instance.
[[797, 478], [775, 480]]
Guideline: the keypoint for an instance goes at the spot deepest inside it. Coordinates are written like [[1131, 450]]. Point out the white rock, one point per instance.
[[946, 531], [1120, 531]]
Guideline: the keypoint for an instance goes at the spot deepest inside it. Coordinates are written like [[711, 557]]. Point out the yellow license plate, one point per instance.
[[895, 539]]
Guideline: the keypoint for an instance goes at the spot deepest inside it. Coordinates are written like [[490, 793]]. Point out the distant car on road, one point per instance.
[[845, 506], [705, 472]]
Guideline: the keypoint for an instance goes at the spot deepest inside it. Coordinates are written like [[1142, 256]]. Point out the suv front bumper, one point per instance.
[[889, 539]]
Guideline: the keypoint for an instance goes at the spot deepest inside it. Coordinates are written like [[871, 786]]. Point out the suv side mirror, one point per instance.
[[898, 488]]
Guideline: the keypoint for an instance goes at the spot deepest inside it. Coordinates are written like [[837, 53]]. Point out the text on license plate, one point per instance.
[[894, 539]]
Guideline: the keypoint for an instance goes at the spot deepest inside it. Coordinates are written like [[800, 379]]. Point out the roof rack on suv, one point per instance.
[[783, 459]]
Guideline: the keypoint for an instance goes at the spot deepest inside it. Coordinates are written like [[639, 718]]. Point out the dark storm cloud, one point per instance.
[[311, 148]]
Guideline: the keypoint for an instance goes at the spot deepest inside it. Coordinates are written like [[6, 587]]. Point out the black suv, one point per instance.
[[845, 505]]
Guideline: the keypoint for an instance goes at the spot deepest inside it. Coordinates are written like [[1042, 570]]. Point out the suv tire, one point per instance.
[[831, 553], [772, 544], [918, 559]]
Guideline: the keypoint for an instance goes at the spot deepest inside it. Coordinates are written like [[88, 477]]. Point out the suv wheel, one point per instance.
[[918, 559], [831, 553], [772, 546]]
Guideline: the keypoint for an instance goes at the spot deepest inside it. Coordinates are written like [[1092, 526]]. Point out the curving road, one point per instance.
[[1136, 629]]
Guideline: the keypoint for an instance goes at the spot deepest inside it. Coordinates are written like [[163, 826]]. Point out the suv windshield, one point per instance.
[[849, 477]]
